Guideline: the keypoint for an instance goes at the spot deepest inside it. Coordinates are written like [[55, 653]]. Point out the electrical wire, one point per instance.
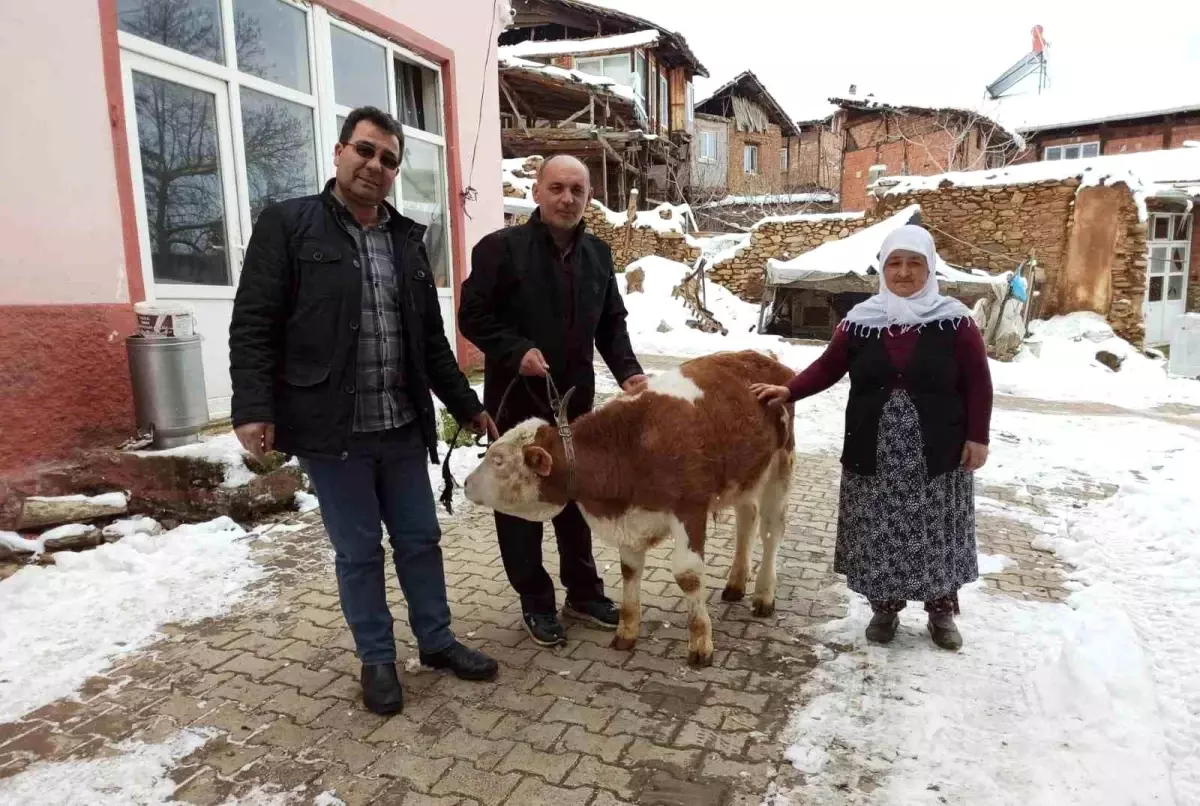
[[469, 193], [1015, 260]]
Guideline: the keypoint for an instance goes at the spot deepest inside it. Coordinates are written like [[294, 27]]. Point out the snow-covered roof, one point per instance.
[[858, 254], [1030, 113], [814, 197], [599, 83], [581, 47], [1147, 174]]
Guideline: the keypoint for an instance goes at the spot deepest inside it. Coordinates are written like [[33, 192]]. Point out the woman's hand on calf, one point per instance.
[[769, 395]]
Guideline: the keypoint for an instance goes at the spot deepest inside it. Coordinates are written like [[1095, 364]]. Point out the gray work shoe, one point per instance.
[[882, 628], [943, 631]]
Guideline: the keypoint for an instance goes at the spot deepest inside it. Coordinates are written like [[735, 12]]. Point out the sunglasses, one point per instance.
[[367, 151]]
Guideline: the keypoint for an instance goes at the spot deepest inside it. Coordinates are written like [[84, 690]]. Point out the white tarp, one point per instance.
[[858, 254]]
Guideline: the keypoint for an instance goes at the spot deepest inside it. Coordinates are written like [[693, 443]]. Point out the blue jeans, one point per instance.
[[384, 476]]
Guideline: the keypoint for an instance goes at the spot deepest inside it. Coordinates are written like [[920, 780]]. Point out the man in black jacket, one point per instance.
[[335, 346], [538, 298]]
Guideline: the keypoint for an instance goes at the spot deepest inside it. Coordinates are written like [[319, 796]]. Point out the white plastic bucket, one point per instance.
[[164, 320]]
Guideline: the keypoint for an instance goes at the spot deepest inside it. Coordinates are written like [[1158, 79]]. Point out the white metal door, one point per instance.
[[1166, 274], [189, 221]]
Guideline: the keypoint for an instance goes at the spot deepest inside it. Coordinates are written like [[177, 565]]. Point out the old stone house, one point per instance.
[[885, 139], [751, 160], [646, 141]]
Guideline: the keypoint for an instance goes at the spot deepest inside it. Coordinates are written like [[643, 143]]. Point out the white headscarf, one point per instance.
[[885, 309]]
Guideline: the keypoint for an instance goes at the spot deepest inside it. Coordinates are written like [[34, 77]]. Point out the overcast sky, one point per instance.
[[941, 51]]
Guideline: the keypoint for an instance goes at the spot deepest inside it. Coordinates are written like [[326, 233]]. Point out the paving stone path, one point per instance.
[[277, 683]]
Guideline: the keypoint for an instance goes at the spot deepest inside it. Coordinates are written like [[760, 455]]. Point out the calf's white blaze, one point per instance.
[[675, 384], [503, 481]]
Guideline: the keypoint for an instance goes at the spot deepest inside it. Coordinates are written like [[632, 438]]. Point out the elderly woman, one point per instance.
[[916, 429]]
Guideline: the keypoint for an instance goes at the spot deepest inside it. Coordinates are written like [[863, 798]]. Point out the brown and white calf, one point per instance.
[[657, 464]]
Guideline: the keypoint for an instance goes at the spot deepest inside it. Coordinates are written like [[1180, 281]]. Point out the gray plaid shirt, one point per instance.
[[380, 403]]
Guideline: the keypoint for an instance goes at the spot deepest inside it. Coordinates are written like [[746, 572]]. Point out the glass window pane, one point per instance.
[[181, 178], [1071, 152], [1178, 259], [191, 26], [1091, 150], [1175, 287], [359, 70], [1156, 289], [281, 149], [1162, 228], [1054, 153], [1158, 259], [272, 42], [424, 198], [1183, 227], [417, 91]]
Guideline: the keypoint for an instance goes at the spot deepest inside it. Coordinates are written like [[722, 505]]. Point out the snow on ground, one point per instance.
[[1058, 362], [222, 449], [138, 773], [66, 622], [127, 527]]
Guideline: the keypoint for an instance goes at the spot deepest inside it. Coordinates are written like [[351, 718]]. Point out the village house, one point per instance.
[[1055, 133], [172, 123], [610, 88], [885, 139], [750, 159], [1113, 235]]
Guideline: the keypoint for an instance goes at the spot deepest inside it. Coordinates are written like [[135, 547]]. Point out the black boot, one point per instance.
[[882, 628], [943, 631], [382, 692], [466, 663]]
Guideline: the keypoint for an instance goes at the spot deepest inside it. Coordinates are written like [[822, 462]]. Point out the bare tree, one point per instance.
[[949, 140]]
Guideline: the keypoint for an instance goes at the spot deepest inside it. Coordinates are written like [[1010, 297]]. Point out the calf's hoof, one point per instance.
[[699, 661], [731, 594], [762, 608], [623, 644]]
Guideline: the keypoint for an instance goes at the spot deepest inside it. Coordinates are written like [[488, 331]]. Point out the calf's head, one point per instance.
[[511, 477]]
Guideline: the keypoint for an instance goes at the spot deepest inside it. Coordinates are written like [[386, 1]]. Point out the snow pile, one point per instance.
[[127, 527], [66, 622], [137, 773], [223, 449], [1146, 174], [600, 44], [1058, 362], [678, 218], [306, 502], [813, 197], [652, 307]]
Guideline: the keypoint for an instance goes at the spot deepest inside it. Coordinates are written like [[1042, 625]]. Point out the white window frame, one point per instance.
[[783, 159], [750, 159], [1059, 152], [164, 62], [664, 102], [707, 136], [689, 103], [640, 81]]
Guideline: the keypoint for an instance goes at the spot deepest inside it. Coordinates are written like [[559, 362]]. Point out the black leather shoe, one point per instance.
[[382, 692], [544, 629], [466, 663], [601, 612]]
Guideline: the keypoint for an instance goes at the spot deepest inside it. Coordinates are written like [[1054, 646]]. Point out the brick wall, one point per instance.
[[909, 145], [782, 238], [816, 159], [1126, 138], [768, 179]]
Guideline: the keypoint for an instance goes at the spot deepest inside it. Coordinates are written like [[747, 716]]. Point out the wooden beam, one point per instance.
[[513, 104], [575, 116]]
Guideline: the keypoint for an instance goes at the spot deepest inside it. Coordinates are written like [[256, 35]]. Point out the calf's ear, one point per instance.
[[538, 460]]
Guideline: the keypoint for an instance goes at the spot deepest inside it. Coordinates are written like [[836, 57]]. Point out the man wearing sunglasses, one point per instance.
[[336, 344], [541, 299]]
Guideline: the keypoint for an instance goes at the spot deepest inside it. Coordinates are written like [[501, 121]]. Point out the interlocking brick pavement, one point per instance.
[[276, 682]]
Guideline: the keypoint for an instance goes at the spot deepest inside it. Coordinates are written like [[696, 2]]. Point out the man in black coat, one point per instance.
[[538, 298], [335, 346]]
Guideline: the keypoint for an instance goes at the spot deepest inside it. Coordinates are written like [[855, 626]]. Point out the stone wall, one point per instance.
[[782, 238], [997, 227]]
